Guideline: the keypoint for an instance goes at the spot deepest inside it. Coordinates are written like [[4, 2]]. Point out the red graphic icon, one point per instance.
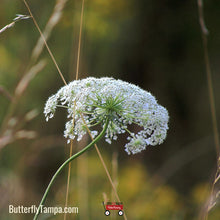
[[113, 206]]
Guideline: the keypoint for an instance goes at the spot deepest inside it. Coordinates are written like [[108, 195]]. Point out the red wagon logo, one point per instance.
[[113, 206]]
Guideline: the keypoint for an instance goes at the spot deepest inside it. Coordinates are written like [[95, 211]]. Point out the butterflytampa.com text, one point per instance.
[[42, 209]]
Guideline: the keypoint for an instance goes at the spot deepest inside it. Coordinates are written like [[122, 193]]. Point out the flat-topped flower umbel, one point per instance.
[[122, 103]]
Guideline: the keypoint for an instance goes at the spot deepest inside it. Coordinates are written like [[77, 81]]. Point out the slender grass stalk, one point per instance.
[[204, 32], [69, 170], [114, 190], [80, 38], [209, 78], [67, 162], [19, 90], [51, 23], [45, 42], [82, 180], [18, 17], [68, 178], [6, 93], [77, 76], [114, 177]]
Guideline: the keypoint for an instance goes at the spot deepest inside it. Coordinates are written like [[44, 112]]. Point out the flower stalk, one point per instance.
[[67, 162]]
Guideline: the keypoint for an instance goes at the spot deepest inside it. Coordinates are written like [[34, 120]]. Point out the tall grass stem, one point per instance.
[[204, 32], [45, 42], [105, 167], [77, 76]]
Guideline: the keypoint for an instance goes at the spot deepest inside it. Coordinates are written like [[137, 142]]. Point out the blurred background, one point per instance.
[[154, 44]]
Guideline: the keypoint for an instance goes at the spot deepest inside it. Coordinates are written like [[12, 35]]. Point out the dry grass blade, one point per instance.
[[77, 76], [204, 32], [25, 134], [7, 27], [114, 172], [217, 178], [12, 136], [16, 19], [15, 131], [79, 44], [4, 92], [4, 141], [68, 179], [105, 198], [19, 90], [34, 57], [53, 20], [104, 165], [31, 115], [211, 206], [69, 168], [24, 82], [209, 76], [201, 18]]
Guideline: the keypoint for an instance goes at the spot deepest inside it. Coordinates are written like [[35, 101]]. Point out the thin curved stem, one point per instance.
[[45, 42], [68, 161], [204, 32]]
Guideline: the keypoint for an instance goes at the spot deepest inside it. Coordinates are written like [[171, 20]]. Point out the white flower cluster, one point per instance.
[[94, 100]]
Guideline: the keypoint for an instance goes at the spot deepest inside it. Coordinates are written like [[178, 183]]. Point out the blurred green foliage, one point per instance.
[[155, 44]]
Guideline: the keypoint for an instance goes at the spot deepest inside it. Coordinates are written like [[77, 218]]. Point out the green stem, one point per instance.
[[66, 162]]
